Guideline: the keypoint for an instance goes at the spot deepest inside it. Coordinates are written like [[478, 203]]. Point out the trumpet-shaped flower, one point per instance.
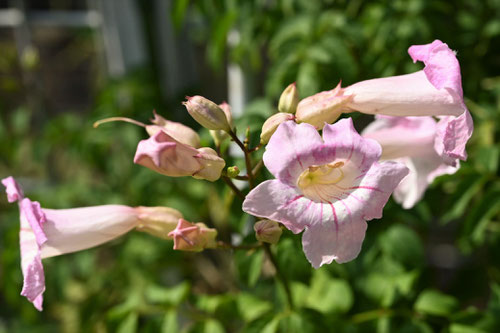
[[165, 155], [434, 91], [328, 186], [47, 233], [410, 140]]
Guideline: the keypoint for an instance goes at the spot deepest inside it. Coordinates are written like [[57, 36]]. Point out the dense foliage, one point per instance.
[[434, 268]]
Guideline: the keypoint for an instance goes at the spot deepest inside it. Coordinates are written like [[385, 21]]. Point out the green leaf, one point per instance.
[[129, 325], [213, 326], [255, 268], [272, 326], [436, 303], [179, 12], [251, 307], [170, 322], [307, 82], [459, 328], [487, 158], [403, 244], [172, 296], [328, 294], [466, 190]]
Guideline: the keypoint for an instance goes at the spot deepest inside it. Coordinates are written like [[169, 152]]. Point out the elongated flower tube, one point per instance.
[[327, 186], [323, 107], [165, 155], [410, 140], [47, 233], [434, 91]]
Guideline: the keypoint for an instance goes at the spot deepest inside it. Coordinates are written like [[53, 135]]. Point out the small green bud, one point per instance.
[[289, 99], [233, 171]]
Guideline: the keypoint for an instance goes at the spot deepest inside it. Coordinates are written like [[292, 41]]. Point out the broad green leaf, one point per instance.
[[436, 303]]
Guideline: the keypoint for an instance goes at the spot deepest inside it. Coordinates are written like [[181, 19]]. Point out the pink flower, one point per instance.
[[328, 186], [410, 140], [165, 155], [47, 233], [434, 91]]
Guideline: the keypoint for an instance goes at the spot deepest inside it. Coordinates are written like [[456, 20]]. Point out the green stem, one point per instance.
[[248, 163], [233, 187], [227, 246], [279, 274]]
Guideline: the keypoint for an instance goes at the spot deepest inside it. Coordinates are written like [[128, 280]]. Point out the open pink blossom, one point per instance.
[[47, 233], [410, 140], [328, 186], [434, 91]]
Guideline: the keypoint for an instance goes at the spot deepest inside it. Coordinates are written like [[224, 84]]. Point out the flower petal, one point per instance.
[[280, 202], [423, 171], [71, 230], [403, 95], [348, 143], [14, 191], [443, 71], [441, 65], [402, 136], [165, 155], [31, 263], [452, 136], [327, 241], [288, 152], [375, 188]]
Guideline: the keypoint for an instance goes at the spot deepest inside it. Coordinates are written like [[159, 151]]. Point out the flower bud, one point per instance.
[[165, 155], [193, 237], [289, 99], [207, 113], [178, 131], [157, 221], [267, 231], [218, 135], [272, 123], [233, 171], [323, 107], [211, 164]]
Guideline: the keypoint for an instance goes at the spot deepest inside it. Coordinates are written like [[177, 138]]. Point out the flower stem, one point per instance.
[[248, 163], [279, 274], [233, 187], [223, 245]]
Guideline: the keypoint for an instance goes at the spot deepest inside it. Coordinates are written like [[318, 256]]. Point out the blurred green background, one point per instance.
[[434, 268]]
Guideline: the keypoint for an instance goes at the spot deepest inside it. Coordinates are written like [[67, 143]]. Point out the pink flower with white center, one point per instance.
[[47, 233], [434, 91], [328, 186], [410, 140]]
